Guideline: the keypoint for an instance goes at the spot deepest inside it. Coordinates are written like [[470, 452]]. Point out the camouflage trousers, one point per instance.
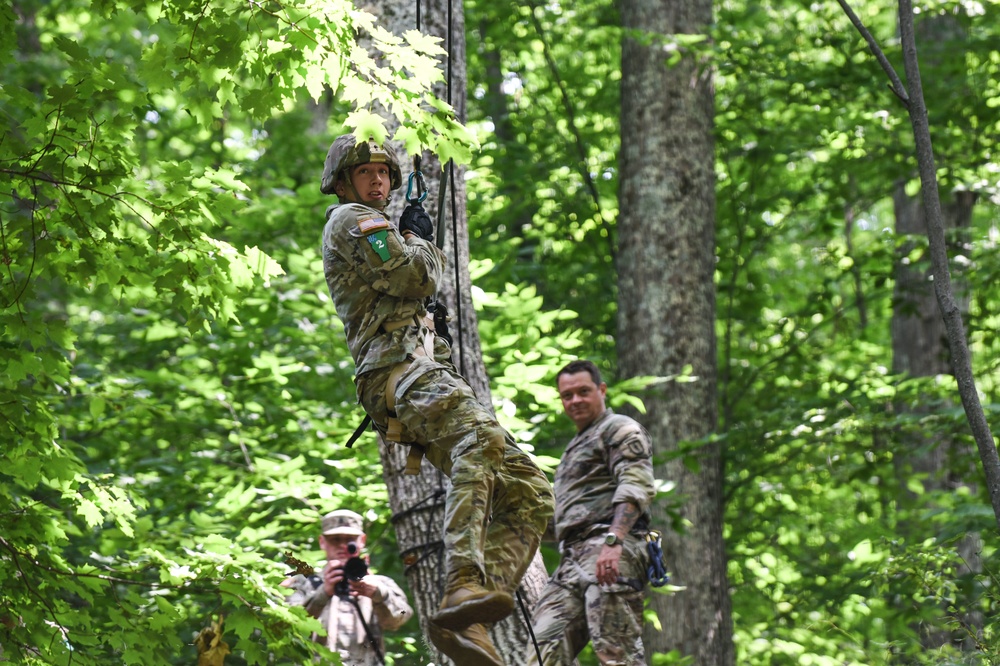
[[573, 608], [499, 502]]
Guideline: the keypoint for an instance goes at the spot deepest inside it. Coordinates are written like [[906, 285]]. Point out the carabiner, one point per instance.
[[420, 187]]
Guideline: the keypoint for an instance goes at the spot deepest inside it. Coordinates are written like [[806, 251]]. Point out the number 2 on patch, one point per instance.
[[378, 243]]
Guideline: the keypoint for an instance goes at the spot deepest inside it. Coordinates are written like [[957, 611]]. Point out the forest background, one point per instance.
[[176, 393]]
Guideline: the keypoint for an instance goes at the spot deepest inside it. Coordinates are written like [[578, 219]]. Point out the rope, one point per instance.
[[425, 550], [449, 174], [368, 633], [527, 622], [430, 547], [458, 274], [438, 546], [417, 507], [454, 222]]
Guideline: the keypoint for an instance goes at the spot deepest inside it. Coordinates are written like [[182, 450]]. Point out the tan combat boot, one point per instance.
[[471, 604], [470, 647]]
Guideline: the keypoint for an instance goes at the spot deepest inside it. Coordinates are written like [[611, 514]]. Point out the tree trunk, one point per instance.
[[666, 265], [417, 502]]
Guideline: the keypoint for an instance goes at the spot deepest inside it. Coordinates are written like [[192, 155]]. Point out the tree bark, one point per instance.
[[417, 502], [666, 306]]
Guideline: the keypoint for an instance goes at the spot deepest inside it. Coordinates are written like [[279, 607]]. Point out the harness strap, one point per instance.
[[394, 428], [427, 321], [365, 422]]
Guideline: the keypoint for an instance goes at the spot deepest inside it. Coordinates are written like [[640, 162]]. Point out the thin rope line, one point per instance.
[[527, 622]]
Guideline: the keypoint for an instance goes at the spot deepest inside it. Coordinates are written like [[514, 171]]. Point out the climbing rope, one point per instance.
[[527, 623]]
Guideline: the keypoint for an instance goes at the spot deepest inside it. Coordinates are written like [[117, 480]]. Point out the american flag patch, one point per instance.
[[370, 224]]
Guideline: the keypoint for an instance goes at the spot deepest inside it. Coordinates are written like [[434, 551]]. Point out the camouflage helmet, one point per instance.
[[346, 151]]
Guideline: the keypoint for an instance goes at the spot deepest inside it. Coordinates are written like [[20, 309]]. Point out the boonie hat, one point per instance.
[[343, 521]]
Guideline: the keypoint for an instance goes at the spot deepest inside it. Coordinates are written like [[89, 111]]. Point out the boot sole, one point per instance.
[[487, 609], [459, 650]]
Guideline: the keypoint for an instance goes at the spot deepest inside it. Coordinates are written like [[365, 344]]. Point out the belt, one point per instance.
[[583, 534]]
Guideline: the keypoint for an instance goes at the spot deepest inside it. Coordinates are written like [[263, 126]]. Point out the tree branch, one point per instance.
[[897, 86], [960, 356], [951, 314]]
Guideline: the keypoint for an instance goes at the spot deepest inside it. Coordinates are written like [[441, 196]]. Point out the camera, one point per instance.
[[355, 568]]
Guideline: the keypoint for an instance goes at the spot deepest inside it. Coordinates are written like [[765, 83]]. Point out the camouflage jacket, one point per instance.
[[345, 632], [376, 277], [608, 463]]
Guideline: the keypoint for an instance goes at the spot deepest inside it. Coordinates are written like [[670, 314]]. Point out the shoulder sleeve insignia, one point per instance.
[[379, 243], [372, 224]]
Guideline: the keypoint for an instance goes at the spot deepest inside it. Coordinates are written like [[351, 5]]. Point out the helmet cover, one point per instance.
[[346, 152]]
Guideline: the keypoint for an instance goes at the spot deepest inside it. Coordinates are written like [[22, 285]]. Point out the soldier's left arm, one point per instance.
[[389, 604], [630, 458], [403, 267], [629, 451], [312, 597]]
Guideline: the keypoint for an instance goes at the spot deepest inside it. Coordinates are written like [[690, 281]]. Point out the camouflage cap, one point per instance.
[[343, 521]]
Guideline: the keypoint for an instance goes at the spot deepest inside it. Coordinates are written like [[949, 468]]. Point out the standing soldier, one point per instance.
[[603, 488], [354, 611], [380, 277]]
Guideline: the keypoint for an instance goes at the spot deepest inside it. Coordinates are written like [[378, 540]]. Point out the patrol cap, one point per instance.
[[343, 521]]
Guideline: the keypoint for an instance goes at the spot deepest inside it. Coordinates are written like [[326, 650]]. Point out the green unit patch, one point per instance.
[[378, 241]]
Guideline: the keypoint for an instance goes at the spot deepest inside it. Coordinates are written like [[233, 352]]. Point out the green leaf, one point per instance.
[[97, 405], [90, 513], [366, 125]]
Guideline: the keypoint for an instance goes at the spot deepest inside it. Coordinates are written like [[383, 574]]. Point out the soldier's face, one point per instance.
[[582, 399], [371, 182], [335, 545]]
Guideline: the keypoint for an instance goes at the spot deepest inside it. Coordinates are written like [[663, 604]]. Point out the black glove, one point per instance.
[[416, 220]]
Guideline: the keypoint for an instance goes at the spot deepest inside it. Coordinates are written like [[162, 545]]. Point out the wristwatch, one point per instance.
[[610, 539]]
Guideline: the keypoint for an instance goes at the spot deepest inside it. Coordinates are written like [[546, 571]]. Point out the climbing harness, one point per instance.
[[658, 576]]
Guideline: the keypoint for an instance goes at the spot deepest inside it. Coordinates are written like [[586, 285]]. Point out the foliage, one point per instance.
[[176, 391], [170, 412], [810, 145], [543, 191]]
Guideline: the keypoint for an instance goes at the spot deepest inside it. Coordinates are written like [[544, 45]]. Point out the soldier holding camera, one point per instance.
[[353, 605]]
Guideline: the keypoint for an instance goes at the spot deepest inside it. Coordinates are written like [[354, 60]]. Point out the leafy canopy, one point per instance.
[[148, 368]]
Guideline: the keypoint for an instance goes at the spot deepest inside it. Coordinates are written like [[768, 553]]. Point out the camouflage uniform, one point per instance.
[[344, 631], [610, 461], [379, 283]]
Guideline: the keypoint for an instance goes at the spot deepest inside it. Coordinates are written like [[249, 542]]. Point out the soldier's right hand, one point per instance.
[[333, 573], [416, 220]]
